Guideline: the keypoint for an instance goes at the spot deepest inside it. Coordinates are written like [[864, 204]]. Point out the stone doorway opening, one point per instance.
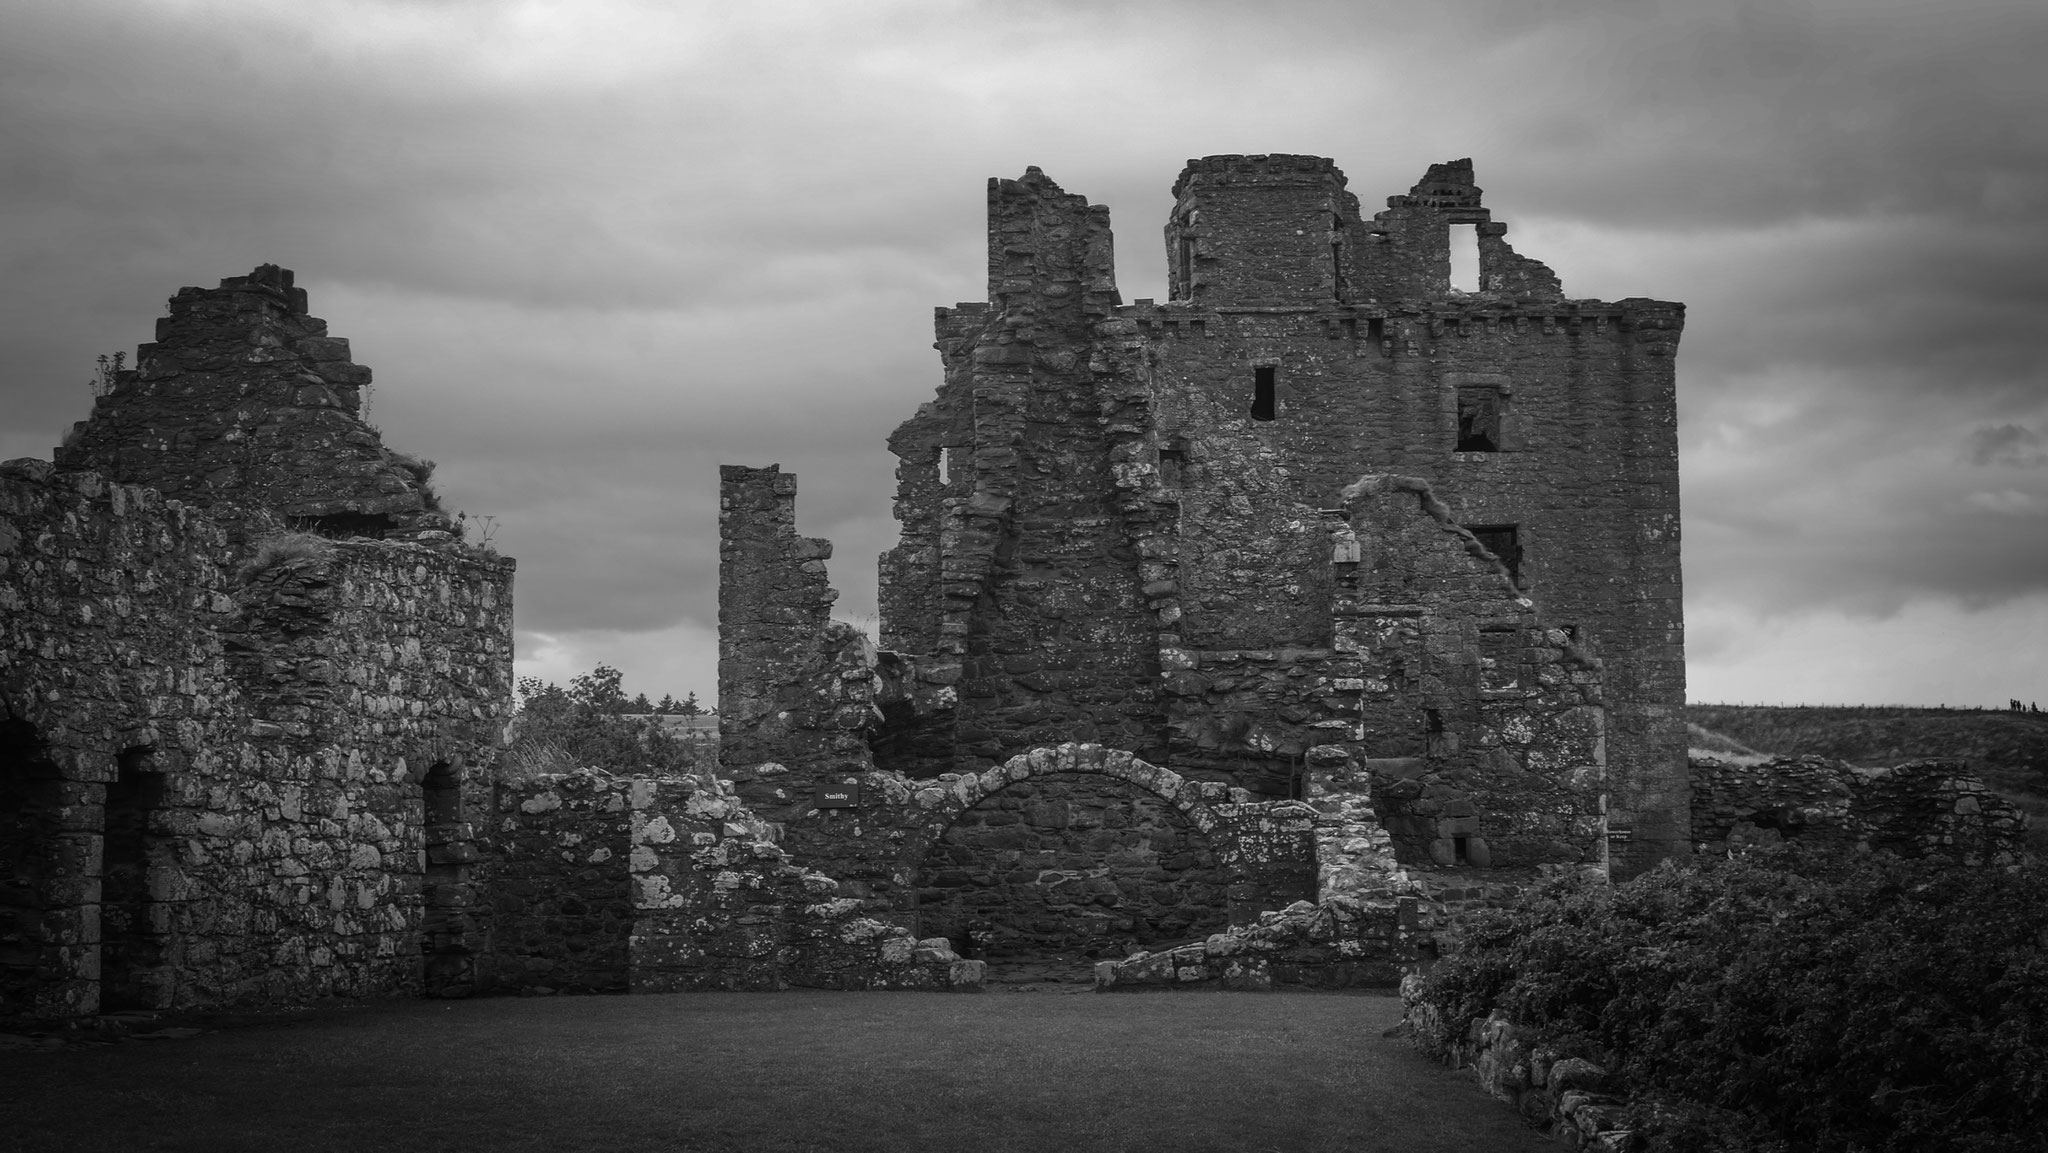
[[133, 925], [447, 897], [31, 795], [1044, 877]]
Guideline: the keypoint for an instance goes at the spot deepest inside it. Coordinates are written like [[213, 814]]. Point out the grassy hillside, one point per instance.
[[2007, 750]]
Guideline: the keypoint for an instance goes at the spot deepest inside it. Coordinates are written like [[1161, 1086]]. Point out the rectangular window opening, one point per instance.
[[1262, 392], [1479, 419], [1503, 541], [945, 466], [1464, 258], [1461, 849]]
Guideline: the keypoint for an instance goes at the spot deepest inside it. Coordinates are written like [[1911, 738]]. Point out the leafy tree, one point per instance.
[[556, 729]]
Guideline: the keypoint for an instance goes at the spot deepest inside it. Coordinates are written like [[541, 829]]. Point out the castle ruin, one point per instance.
[[1238, 639]]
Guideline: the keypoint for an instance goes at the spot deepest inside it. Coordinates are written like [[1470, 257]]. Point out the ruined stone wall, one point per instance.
[[1483, 723], [1918, 809], [232, 770], [1086, 868], [1261, 230], [1225, 425], [720, 905], [1588, 481], [795, 691], [554, 873], [245, 400], [1027, 551]]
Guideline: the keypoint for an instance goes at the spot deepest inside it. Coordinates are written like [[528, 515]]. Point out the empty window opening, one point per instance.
[[1187, 268], [1337, 278], [1434, 742], [1499, 658], [945, 466], [1461, 850], [1464, 258], [132, 972], [1504, 542], [1262, 392], [1479, 419]]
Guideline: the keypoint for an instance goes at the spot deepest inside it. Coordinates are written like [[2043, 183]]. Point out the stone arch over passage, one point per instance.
[[1202, 805]]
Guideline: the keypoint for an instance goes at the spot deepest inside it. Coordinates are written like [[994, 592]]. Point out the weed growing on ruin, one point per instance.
[[108, 374], [284, 548], [1832, 1002], [486, 526]]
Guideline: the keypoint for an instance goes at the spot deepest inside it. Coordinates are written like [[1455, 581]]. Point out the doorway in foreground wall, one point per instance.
[[30, 795], [133, 927], [448, 905]]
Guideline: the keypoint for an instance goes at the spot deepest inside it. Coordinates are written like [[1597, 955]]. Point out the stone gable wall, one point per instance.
[[267, 740], [245, 400]]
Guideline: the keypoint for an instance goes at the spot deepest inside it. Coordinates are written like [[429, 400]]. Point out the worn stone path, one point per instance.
[[798, 1071]]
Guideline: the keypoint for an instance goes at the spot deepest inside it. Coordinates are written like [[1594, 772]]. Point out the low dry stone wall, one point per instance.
[[1920, 809], [721, 906], [1564, 1096]]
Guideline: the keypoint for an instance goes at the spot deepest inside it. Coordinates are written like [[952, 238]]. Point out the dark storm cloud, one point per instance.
[[594, 250], [2013, 445]]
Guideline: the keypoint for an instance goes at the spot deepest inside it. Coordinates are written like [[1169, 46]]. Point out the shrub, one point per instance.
[[1841, 1002], [557, 729], [283, 548]]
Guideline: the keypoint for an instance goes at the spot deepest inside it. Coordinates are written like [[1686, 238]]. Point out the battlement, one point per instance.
[[1278, 169]]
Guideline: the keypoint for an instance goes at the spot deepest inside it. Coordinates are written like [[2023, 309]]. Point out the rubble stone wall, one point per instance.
[[1166, 478], [1918, 809], [244, 400], [232, 770], [554, 872], [1482, 725]]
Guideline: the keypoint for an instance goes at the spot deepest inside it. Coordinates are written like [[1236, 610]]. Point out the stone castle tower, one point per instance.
[[1126, 523]]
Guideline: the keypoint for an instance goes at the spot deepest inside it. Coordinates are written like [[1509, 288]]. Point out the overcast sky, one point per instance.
[[594, 249]]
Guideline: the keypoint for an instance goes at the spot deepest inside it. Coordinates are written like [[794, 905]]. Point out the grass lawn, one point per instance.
[[782, 1072]]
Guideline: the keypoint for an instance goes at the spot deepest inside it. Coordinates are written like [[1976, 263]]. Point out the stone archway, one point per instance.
[[1231, 860]]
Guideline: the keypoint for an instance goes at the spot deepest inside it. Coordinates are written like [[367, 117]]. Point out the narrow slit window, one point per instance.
[[1464, 258], [1262, 391], [945, 466]]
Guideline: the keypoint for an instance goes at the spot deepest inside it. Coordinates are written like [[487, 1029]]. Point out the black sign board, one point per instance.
[[846, 796]]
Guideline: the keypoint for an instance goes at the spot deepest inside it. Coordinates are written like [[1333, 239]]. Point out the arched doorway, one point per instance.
[[1069, 855]]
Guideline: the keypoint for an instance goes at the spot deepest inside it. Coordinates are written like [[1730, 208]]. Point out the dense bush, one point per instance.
[[1838, 1003], [592, 723]]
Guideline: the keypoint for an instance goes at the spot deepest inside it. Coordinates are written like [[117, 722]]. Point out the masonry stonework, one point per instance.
[[1301, 515], [1105, 497], [239, 767]]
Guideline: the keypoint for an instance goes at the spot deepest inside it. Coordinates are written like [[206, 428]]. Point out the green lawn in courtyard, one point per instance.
[[779, 1072]]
